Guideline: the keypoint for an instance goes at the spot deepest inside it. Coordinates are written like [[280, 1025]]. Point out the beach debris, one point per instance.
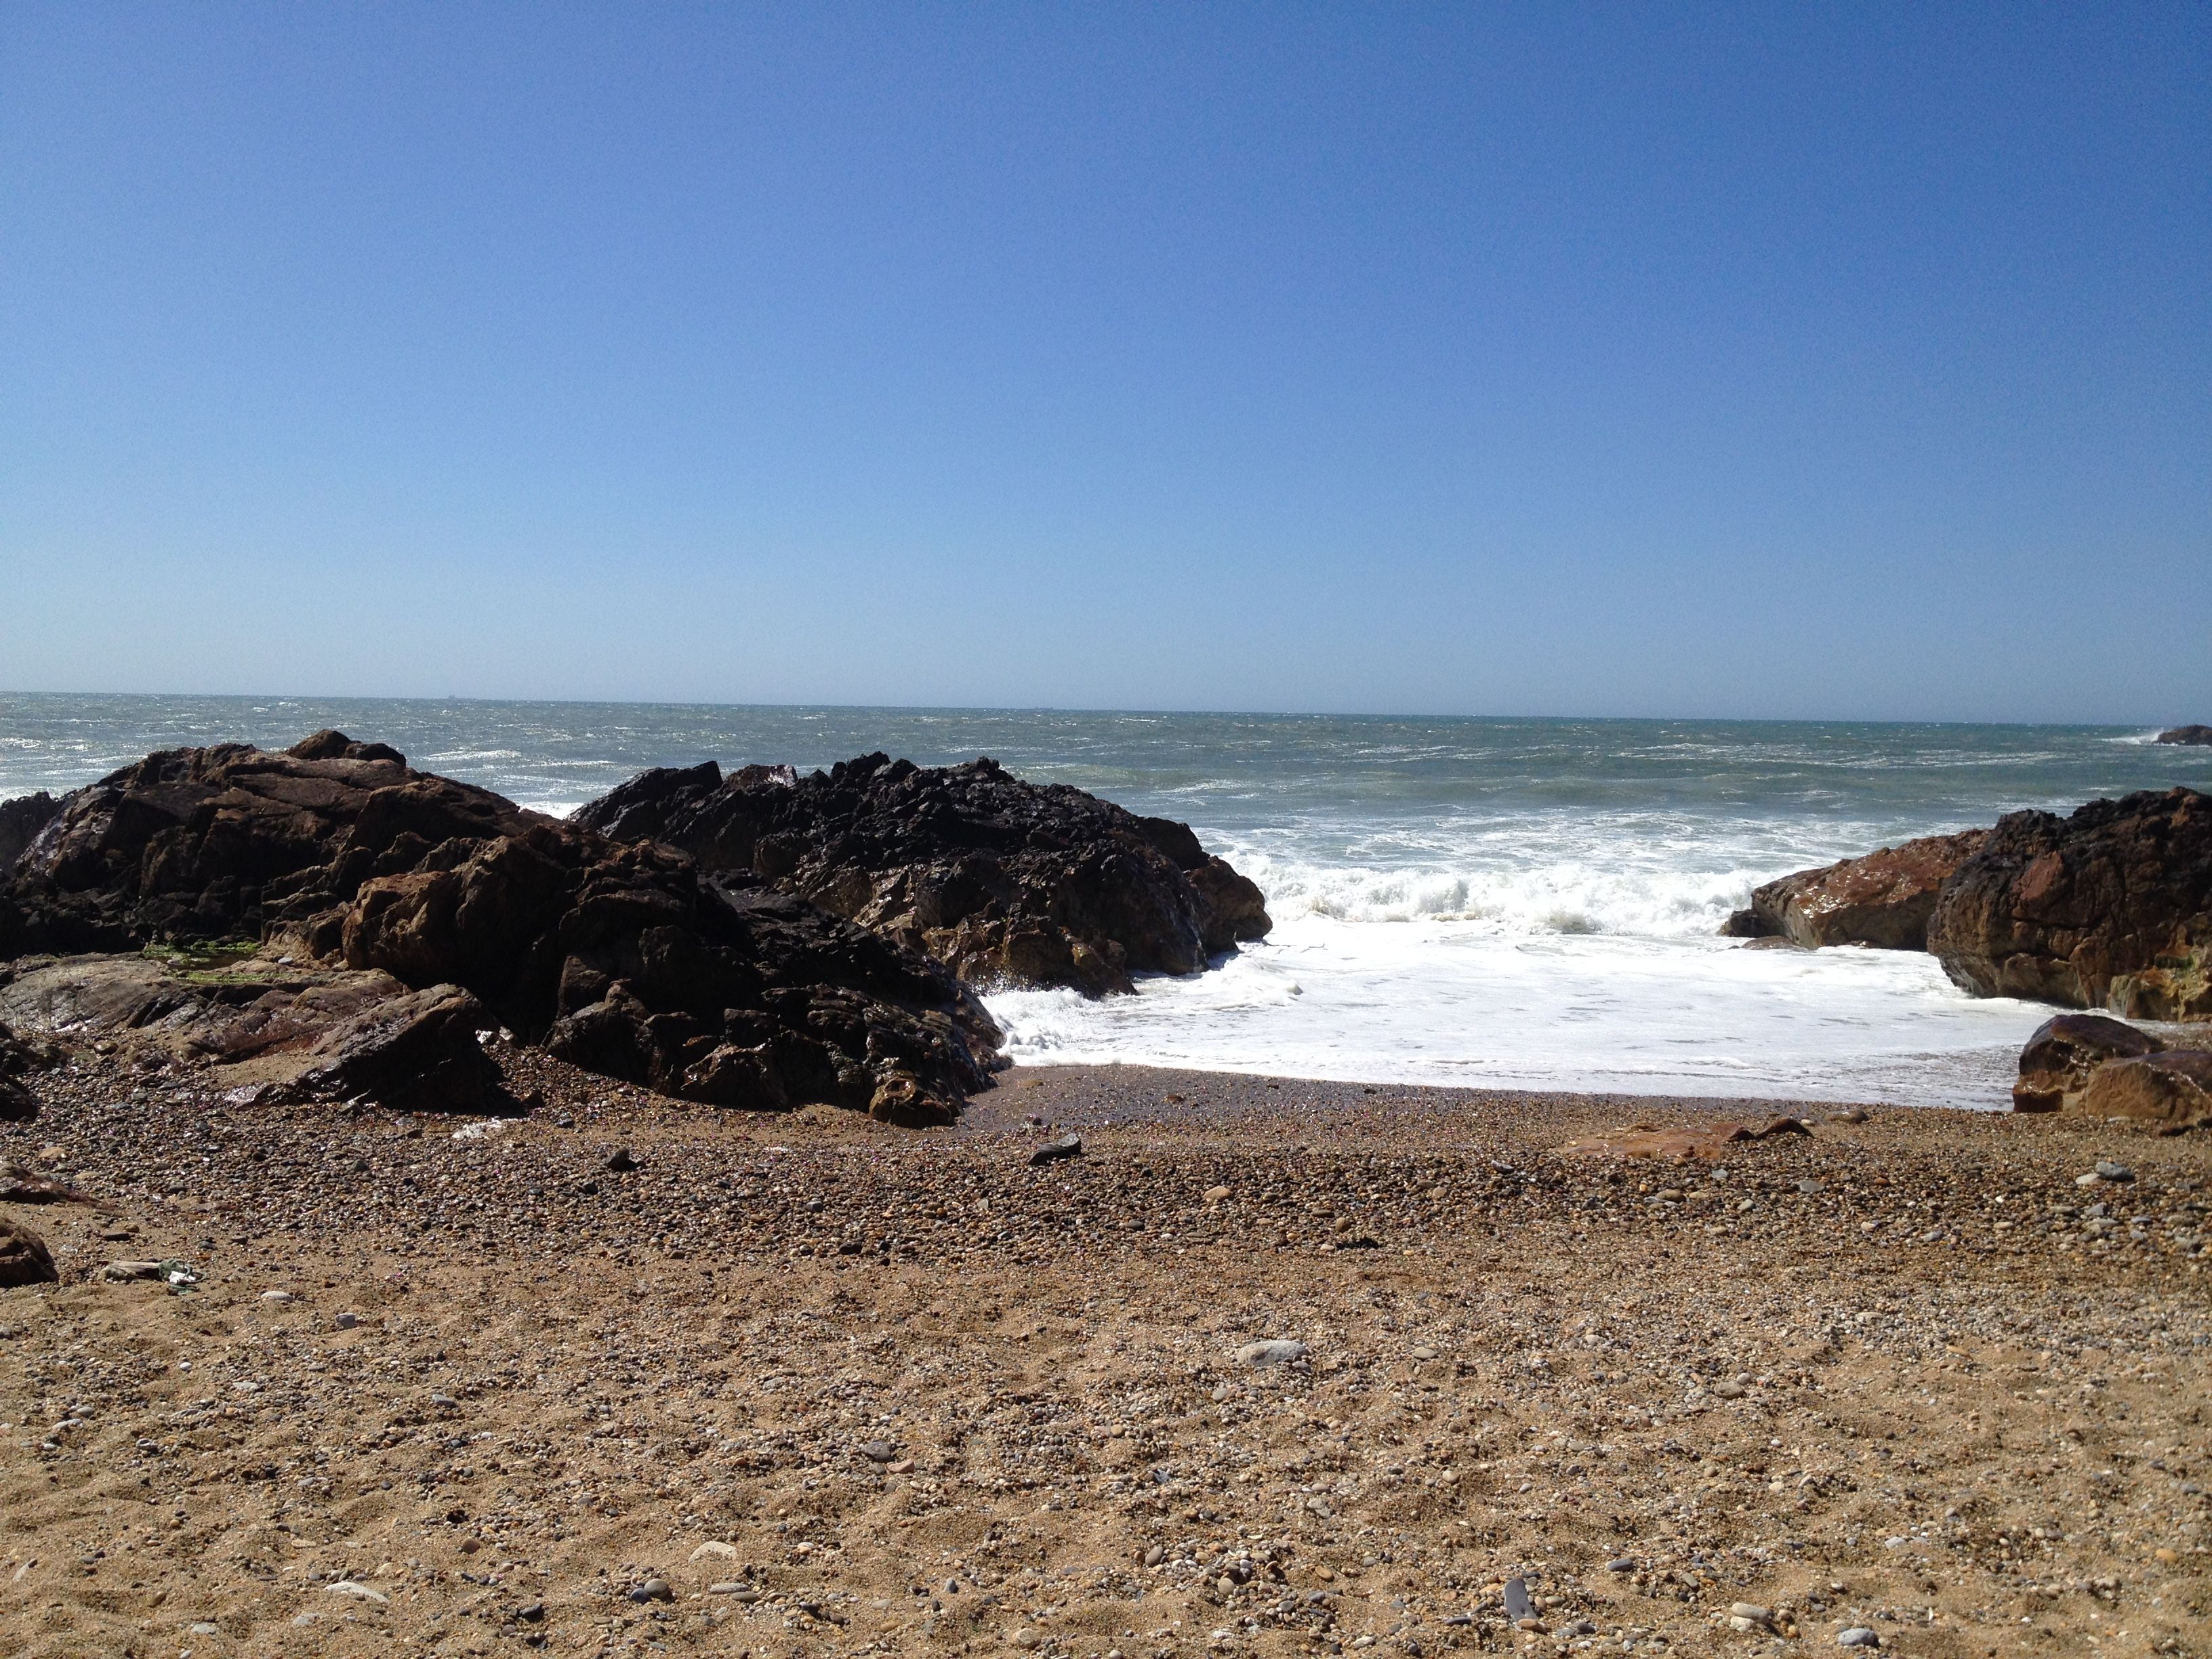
[[347, 1587], [1518, 1605], [1053, 1151], [1276, 1351], [24, 1257]]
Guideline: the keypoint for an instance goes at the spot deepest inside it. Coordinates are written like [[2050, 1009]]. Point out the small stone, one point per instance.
[[716, 1548], [1275, 1351], [1853, 1116], [530, 1612], [652, 1590], [878, 1451], [1216, 1194], [1858, 1636], [278, 1296], [346, 1322], [1425, 1353], [2171, 1557], [446, 1400], [1752, 1612], [1025, 1637], [1809, 1188], [1518, 1607], [1053, 1151], [1731, 1390], [300, 1621], [619, 1161], [741, 1592], [902, 1466], [2108, 1170], [1621, 1564], [1154, 1556], [205, 1629]]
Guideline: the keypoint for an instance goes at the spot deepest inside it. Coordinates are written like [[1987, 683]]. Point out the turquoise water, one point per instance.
[[1509, 901]]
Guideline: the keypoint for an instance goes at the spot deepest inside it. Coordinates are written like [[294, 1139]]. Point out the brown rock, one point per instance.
[[21, 821], [2173, 1089], [24, 1257], [2066, 1050], [1884, 899], [2110, 907], [1000, 879], [2198, 736]]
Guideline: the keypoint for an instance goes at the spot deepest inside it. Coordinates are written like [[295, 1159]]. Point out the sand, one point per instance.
[[834, 1388]]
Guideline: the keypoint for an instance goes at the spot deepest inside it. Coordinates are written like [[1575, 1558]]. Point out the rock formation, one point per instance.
[[21, 820], [2198, 736], [2110, 907], [19, 1058], [2065, 1051], [1002, 880], [1884, 899], [469, 911]]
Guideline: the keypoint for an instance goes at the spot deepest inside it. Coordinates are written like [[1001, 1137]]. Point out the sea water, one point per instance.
[[1525, 903]]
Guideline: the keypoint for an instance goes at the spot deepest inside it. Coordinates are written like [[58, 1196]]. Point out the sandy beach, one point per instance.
[[808, 1385]]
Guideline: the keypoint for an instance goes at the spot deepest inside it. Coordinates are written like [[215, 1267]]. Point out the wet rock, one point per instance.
[[1002, 880], [21, 821], [2065, 1051], [1884, 899], [24, 1257], [2110, 907], [2197, 736], [2172, 1090]]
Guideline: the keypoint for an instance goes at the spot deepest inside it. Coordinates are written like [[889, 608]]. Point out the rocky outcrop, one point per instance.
[[2171, 1091], [2110, 907], [2065, 1053], [21, 820], [2198, 736], [1004, 881], [625, 959], [1884, 899], [24, 1257]]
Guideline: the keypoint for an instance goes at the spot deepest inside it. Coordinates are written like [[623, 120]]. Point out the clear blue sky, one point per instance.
[[1826, 360]]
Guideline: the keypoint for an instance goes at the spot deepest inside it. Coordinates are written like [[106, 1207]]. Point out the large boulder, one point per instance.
[[624, 958], [2198, 736], [2110, 907], [1884, 899], [1004, 881], [2065, 1053], [2172, 1090]]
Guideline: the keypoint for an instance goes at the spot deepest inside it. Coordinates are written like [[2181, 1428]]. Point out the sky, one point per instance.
[[1836, 361]]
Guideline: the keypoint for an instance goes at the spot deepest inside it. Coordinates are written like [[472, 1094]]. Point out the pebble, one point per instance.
[[1216, 1194], [1858, 1636], [652, 1590], [724, 1552], [278, 1296], [1518, 1607], [878, 1451], [346, 1322], [530, 1612], [619, 1161], [1054, 1150], [1621, 1564], [1277, 1350], [2108, 1170]]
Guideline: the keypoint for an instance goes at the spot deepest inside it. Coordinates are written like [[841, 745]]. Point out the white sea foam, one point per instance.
[[1451, 1003]]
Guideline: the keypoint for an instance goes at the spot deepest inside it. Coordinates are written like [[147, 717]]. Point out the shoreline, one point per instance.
[[1887, 1376]]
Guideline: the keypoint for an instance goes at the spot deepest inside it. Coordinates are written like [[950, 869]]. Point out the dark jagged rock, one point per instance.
[[623, 958], [2110, 907], [1884, 899], [1002, 880], [2197, 736], [2065, 1051], [21, 820]]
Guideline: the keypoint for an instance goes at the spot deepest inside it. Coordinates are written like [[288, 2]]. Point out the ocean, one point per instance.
[[1511, 903]]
